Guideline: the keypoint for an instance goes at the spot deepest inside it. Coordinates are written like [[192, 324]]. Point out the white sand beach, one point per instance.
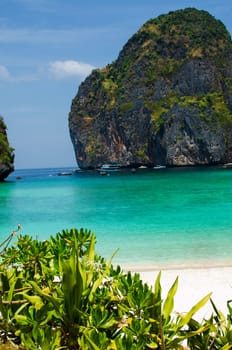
[[194, 284]]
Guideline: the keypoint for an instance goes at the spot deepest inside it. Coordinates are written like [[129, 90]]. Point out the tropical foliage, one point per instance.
[[59, 294]]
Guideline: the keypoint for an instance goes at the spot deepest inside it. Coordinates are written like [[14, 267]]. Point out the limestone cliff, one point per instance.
[[6, 153], [167, 99]]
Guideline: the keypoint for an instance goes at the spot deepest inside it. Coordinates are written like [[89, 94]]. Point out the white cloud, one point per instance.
[[64, 69], [56, 69], [4, 73]]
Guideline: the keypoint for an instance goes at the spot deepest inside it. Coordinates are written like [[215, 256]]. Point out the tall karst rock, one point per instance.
[[6, 153], [167, 99]]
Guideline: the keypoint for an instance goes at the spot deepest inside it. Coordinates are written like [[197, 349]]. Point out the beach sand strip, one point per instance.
[[193, 285]]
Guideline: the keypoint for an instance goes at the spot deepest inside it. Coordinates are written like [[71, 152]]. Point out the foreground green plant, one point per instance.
[[59, 294]]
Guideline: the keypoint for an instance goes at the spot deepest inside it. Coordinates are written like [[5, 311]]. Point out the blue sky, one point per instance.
[[48, 47]]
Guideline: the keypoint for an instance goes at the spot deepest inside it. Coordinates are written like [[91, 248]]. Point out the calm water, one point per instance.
[[155, 217]]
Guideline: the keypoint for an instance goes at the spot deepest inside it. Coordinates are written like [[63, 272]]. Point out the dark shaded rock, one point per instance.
[[167, 99], [6, 153]]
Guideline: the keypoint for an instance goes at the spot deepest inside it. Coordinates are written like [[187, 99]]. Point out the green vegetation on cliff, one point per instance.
[[6, 152], [162, 45]]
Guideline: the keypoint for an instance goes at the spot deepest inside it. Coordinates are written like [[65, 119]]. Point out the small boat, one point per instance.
[[227, 165], [65, 173], [159, 167], [110, 167], [102, 172]]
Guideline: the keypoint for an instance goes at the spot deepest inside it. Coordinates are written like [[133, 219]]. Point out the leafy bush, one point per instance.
[[59, 294]]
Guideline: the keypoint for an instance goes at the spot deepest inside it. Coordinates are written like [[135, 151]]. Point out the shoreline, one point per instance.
[[202, 265], [193, 284]]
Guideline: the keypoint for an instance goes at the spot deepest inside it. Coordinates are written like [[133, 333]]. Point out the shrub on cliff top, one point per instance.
[[6, 152]]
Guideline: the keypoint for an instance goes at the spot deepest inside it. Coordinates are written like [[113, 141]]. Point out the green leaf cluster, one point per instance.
[[59, 294]]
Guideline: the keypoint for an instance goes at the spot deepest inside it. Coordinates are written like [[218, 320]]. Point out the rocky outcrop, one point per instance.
[[6, 153], [167, 99]]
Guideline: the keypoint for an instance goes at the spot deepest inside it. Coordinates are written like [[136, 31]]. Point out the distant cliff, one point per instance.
[[6, 153], [167, 99]]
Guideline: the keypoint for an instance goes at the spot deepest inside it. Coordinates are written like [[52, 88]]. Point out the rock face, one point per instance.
[[6, 153], [167, 99]]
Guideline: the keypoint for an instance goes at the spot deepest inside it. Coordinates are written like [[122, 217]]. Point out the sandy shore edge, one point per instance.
[[194, 284]]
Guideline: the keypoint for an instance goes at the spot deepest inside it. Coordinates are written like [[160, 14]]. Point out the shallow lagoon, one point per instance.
[[163, 217]]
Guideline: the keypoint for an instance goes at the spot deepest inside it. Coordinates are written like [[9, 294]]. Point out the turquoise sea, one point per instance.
[[166, 217]]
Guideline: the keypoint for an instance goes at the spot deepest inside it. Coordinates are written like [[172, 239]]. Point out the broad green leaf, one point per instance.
[[108, 324], [169, 302], [220, 318], [226, 347], [28, 342], [21, 319], [94, 346], [152, 346], [12, 282], [98, 282], [157, 288], [34, 300], [46, 296], [90, 251], [185, 319], [172, 343], [157, 299], [82, 277], [73, 285], [49, 317]]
